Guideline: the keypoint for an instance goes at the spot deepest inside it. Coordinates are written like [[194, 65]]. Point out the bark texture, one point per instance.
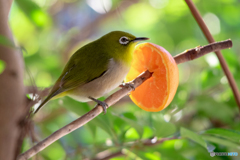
[[12, 99]]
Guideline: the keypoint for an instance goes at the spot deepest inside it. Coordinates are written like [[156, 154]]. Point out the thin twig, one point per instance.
[[200, 51], [112, 99], [116, 154], [144, 143], [210, 39]]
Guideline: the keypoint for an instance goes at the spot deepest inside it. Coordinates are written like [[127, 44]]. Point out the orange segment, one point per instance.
[[157, 92]]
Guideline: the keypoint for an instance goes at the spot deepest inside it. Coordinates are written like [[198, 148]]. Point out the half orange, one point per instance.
[[157, 92]]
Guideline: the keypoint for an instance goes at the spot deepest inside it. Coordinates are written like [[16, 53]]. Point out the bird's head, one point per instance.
[[120, 44]]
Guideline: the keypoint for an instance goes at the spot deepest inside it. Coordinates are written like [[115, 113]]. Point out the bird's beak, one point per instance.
[[140, 39]]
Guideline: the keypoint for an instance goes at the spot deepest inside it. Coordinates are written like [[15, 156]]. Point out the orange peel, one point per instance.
[[157, 92]]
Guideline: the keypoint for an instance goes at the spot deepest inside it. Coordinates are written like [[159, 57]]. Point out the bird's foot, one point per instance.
[[101, 103], [127, 85]]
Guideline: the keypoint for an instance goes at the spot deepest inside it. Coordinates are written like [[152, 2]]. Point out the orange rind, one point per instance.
[[157, 92]]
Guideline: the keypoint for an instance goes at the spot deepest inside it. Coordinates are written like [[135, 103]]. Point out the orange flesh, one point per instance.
[[157, 92]]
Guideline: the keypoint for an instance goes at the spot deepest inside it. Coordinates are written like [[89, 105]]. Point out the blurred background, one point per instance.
[[203, 110]]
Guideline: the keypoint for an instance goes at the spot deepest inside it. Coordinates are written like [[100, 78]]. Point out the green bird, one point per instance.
[[96, 68]]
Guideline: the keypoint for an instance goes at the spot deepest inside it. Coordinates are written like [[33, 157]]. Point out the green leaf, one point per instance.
[[34, 12], [221, 141], [162, 128], [225, 133], [131, 134], [209, 107], [130, 115], [152, 156], [185, 133], [148, 132], [2, 66], [134, 124], [182, 149], [133, 154], [122, 135], [146, 155], [209, 77]]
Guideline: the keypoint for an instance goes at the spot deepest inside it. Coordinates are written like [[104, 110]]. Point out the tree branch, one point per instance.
[[210, 39], [12, 98], [144, 143], [199, 51], [112, 99]]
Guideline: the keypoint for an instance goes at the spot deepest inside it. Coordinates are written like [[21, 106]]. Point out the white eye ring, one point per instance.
[[123, 40]]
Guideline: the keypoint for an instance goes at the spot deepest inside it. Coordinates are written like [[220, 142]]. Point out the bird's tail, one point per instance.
[[50, 96]]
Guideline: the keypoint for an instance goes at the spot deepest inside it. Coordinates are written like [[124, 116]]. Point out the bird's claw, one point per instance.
[[104, 105], [127, 85]]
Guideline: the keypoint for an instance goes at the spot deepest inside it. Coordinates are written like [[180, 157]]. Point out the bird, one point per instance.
[[95, 69]]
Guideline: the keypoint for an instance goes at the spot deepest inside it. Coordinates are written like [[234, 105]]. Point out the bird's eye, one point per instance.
[[124, 40]]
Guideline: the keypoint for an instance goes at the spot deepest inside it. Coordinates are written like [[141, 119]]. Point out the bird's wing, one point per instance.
[[82, 68], [79, 71], [78, 75]]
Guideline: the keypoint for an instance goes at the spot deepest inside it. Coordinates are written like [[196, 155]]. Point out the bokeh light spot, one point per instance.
[[211, 59], [158, 3], [100, 6], [212, 22]]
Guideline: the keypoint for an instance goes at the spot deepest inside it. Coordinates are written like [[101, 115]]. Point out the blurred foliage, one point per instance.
[[203, 113], [2, 66]]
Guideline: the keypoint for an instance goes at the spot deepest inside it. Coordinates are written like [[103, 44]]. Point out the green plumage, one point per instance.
[[93, 64], [82, 67]]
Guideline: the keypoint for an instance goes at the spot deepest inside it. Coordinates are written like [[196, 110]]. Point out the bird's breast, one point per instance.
[[110, 80]]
